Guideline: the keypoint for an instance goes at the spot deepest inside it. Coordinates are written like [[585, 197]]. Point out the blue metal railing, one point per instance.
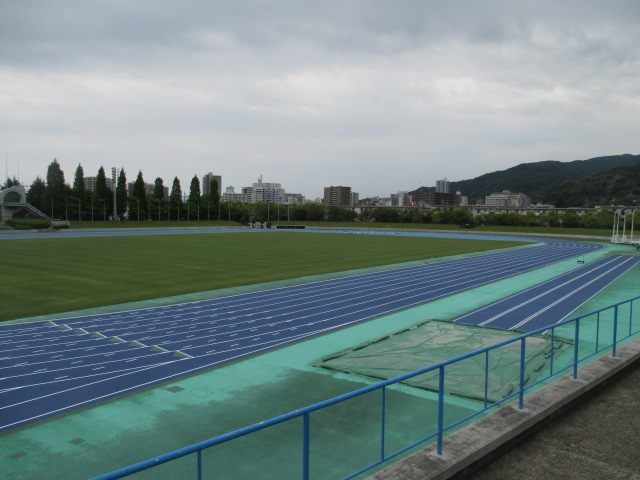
[[590, 348]]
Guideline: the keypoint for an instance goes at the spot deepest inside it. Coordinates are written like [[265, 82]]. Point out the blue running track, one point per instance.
[[551, 301], [47, 368]]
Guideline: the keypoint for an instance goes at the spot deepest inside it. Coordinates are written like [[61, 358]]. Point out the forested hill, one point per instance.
[[545, 181], [618, 186]]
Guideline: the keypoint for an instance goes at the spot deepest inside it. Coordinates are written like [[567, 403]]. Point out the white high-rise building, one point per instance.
[[266, 192]]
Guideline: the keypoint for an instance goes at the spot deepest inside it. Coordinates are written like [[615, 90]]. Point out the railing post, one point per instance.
[[305, 446], [199, 464], [615, 331], [522, 359], [486, 378], [440, 408], [576, 344], [597, 332], [383, 421], [553, 351]]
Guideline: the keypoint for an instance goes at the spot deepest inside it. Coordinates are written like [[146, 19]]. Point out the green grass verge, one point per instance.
[[53, 275]]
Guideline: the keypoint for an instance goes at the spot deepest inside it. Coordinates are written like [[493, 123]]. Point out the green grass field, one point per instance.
[[53, 275], [555, 231]]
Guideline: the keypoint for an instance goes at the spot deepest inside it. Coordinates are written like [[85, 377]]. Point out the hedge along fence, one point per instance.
[[28, 223]]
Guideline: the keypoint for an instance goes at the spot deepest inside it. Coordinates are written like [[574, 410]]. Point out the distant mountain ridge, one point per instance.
[[565, 184]]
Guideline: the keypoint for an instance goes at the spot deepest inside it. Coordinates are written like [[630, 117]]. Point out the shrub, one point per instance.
[[28, 223]]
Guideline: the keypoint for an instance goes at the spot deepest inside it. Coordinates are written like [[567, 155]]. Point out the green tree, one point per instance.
[[194, 190], [195, 202], [213, 199], [56, 191], [121, 195], [79, 200], [158, 189], [102, 195], [571, 219], [36, 195], [11, 182], [138, 188], [78, 182], [138, 206], [175, 200], [235, 211], [385, 215]]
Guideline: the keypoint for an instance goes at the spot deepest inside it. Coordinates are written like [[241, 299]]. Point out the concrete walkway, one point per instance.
[[597, 439], [587, 428]]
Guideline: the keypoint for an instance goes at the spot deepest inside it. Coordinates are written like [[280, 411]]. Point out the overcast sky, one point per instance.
[[381, 96]]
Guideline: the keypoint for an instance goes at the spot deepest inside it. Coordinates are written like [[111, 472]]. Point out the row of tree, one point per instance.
[[56, 198]]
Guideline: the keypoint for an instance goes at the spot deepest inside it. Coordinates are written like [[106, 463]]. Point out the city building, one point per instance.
[[293, 198], [206, 183], [400, 199], [265, 192], [436, 199], [442, 186], [148, 188], [230, 195], [507, 199], [337, 196], [90, 183]]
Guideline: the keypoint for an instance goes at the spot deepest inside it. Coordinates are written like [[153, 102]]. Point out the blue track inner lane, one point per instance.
[[48, 368]]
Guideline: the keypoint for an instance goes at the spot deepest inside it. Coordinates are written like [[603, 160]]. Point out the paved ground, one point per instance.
[[598, 439]]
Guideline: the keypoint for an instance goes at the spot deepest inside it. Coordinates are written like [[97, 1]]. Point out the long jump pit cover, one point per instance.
[[435, 341]]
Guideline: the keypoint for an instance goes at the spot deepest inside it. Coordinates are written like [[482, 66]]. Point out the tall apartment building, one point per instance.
[[90, 183], [337, 196], [206, 183], [265, 192], [442, 186]]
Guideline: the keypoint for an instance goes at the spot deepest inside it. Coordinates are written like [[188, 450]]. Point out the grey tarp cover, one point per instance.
[[435, 341]]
